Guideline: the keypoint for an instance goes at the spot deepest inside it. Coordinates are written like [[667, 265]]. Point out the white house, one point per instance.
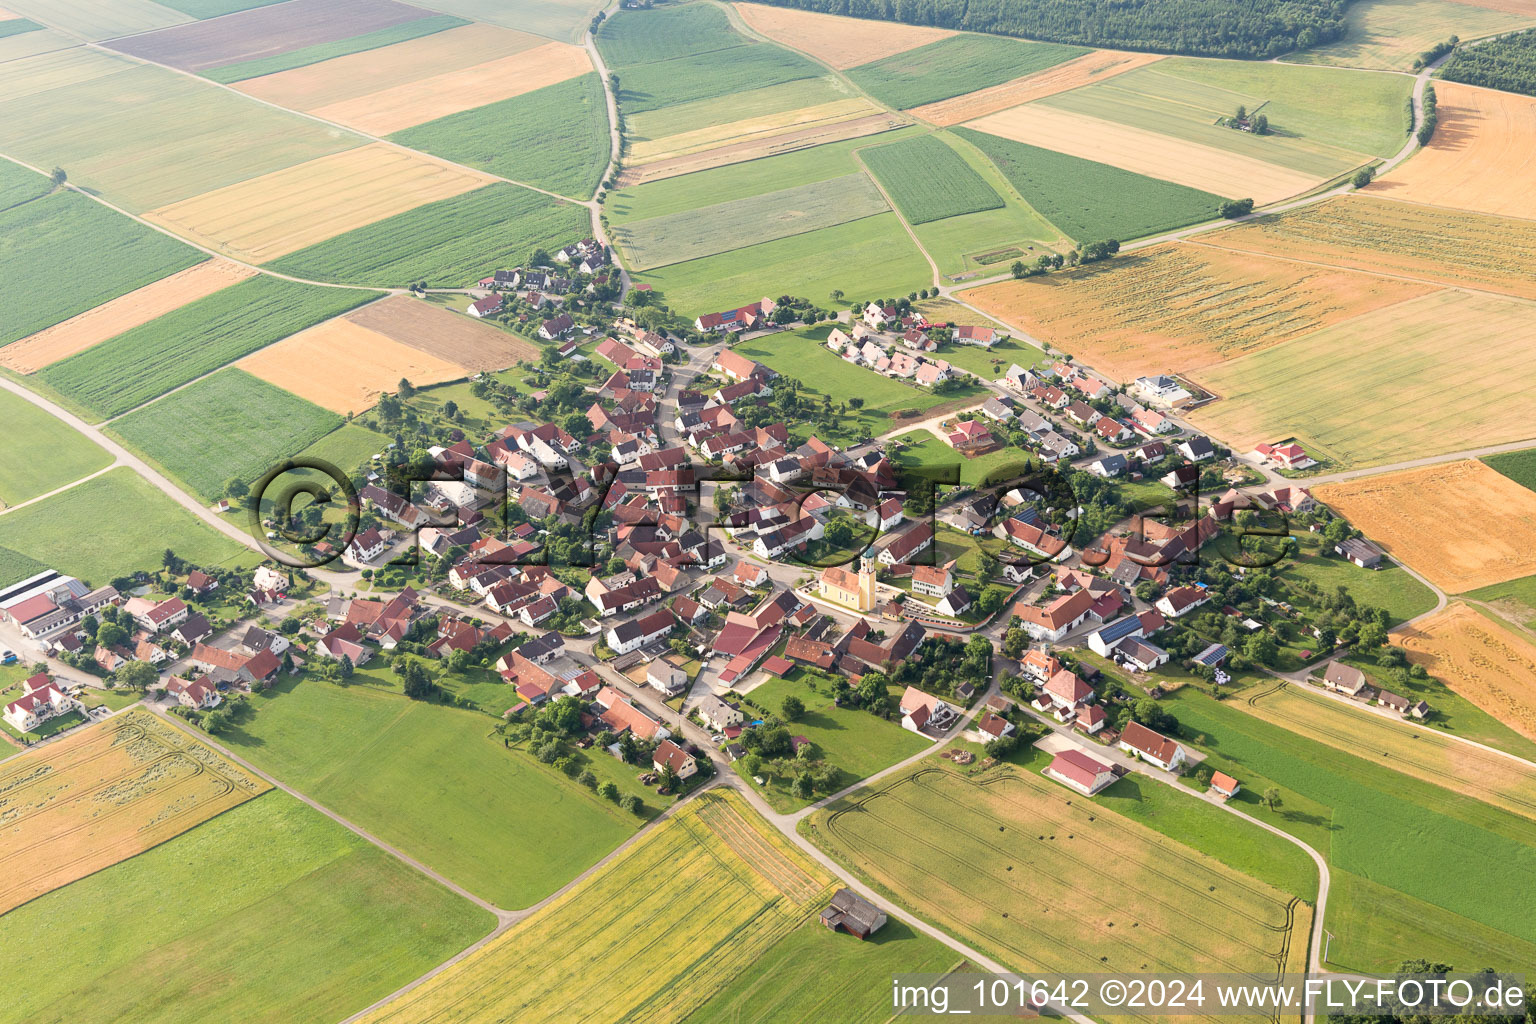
[[1152, 747], [922, 712], [1077, 770], [719, 715], [636, 633]]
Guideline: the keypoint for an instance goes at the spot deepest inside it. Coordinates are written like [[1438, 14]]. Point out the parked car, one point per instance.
[[7, 657]]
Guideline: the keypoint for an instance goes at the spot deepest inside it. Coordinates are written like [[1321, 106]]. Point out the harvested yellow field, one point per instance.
[[1463, 525], [451, 337], [344, 367], [1177, 307], [121, 314], [1482, 156], [57, 69], [1145, 152], [1526, 7], [402, 106], [103, 794], [358, 74], [771, 145], [262, 218], [840, 42], [749, 130], [1492, 667], [1080, 71]]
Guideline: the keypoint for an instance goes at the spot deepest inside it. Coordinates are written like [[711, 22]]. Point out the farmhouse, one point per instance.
[[670, 755], [923, 712], [619, 715], [485, 307], [966, 334], [1181, 600], [557, 327], [853, 914], [40, 701], [1345, 679], [1056, 619], [155, 616], [1076, 769], [743, 318], [1139, 741]]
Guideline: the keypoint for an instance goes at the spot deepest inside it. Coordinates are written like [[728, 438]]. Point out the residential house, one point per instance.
[[1181, 601], [1224, 785], [637, 633], [666, 678], [1345, 679], [199, 694], [1153, 747], [670, 755], [1056, 619], [923, 712], [717, 714], [1077, 770]]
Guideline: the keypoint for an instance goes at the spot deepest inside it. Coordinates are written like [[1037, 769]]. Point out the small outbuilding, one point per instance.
[[853, 914]]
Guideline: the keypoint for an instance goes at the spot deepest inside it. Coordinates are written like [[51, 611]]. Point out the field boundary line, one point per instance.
[[114, 464]]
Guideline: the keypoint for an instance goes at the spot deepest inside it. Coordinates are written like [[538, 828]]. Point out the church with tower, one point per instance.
[[853, 590]]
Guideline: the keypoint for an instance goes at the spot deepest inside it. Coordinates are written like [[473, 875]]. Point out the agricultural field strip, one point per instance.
[[929, 181], [1484, 660]]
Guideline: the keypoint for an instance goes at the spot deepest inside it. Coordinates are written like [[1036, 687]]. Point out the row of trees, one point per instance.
[[1091, 252]]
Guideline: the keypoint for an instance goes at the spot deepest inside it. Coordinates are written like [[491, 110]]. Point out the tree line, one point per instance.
[[1507, 63], [1208, 28]]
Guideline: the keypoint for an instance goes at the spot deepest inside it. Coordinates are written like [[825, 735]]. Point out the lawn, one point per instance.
[[347, 447], [66, 237], [307, 55], [950, 67], [1391, 588], [448, 244], [928, 180], [863, 259], [986, 363], [121, 373], [52, 727], [857, 742], [1088, 200], [108, 527], [29, 431], [306, 923], [227, 426], [930, 451], [555, 138], [432, 780]]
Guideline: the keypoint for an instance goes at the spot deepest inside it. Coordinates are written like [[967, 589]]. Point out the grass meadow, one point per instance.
[[25, 470], [950, 67], [304, 922], [923, 449], [448, 244], [20, 185], [228, 425], [646, 37], [307, 55], [707, 75], [124, 372], [1390, 587], [115, 524], [433, 781], [555, 137], [63, 254], [928, 181]]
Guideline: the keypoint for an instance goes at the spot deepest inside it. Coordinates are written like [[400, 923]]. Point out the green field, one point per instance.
[[555, 138], [229, 425], [203, 9], [19, 185], [66, 237], [17, 26], [927, 180], [1089, 200], [707, 75], [629, 38], [564, 20], [1517, 598], [1390, 587], [307, 55], [113, 525], [306, 923], [854, 740], [770, 99], [1391, 33], [1387, 827], [121, 373], [739, 223], [448, 244], [348, 446], [41, 453], [436, 783], [865, 258], [1518, 466], [953, 66], [923, 449], [100, 19]]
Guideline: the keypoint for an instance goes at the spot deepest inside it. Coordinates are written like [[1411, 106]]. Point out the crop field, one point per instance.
[[998, 862], [436, 331], [137, 365], [703, 76], [265, 31], [103, 794], [1492, 667], [1413, 748], [744, 893], [1389, 34], [309, 923], [145, 137], [29, 44], [1441, 373], [431, 781], [683, 118], [630, 38], [1095, 66], [1366, 818], [1089, 200], [263, 218], [751, 130], [554, 19], [123, 313], [28, 75], [99, 19], [1518, 466], [928, 180], [954, 66], [344, 367], [1181, 307], [229, 425], [555, 137], [19, 185], [739, 223], [826, 132], [1402, 239], [404, 106], [334, 53], [1479, 158], [128, 522], [1142, 151], [840, 42], [448, 244], [30, 431], [57, 238], [866, 257]]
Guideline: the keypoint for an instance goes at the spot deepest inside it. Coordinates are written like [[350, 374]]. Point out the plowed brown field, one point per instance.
[[121, 314], [1176, 307], [1463, 525], [1085, 70], [840, 42], [454, 337], [1482, 157], [1492, 667]]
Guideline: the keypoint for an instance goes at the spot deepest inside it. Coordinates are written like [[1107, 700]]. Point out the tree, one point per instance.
[[1261, 647], [1261, 124], [110, 634], [1236, 208], [804, 786], [406, 389], [1017, 270], [630, 803], [216, 721], [136, 675], [608, 791], [58, 177], [1271, 798], [1242, 113], [451, 409], [666, 778], [751, 764], [793, 708], [345, 666], [587, 778]]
